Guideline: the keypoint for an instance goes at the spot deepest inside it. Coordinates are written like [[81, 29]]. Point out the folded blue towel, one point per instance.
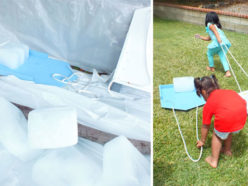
[[39, 69], [178, 100]]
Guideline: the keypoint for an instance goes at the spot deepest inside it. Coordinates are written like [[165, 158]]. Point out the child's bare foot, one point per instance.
[[210, 69], [228, 74], [226, 152], [211, 162]]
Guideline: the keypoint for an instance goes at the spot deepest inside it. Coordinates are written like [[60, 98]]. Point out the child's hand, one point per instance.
[[197, 36], [219, 40], [199, 144]]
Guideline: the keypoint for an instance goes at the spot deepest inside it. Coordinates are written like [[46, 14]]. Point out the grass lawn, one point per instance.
[[177, 53]]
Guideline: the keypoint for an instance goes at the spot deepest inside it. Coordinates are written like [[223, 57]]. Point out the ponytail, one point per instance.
[[206, 83], [198, 86], [215, 81]]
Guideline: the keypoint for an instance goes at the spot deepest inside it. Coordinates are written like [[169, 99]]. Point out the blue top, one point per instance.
[[214, 43]]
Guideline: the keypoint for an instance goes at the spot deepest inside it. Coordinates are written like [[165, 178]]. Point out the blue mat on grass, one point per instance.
[[39, 69], [179, 100]]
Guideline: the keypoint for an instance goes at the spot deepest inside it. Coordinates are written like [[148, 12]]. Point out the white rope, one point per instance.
[[231, 69], [197, 137], [78, 85], [236, 61]]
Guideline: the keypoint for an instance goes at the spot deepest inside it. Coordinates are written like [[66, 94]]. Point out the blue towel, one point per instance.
[[39, 69], [178, 100]]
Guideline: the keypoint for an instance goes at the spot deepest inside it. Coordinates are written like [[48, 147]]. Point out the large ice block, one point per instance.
[[124, 165], [183, 84], [13, 131], [13, 54], [13, 171], [53, 127], [66, 167]]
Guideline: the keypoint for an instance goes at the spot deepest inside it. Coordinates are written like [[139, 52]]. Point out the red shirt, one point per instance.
[[228, 108]]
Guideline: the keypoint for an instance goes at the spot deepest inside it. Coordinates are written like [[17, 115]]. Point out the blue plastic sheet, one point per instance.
[[178, 100], [39, 69]]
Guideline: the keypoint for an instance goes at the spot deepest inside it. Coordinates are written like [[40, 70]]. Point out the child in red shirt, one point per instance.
[[229, 111]]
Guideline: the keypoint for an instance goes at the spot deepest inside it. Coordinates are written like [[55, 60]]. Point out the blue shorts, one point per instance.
[[224, 135]]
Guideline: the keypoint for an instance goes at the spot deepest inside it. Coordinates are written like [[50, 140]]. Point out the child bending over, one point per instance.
[[229, 111]]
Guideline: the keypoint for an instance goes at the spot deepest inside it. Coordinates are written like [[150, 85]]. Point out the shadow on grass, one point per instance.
[[239, 144], [219, 66], [163, 172]]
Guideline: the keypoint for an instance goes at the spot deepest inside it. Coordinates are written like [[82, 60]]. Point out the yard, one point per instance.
[[176, 54]]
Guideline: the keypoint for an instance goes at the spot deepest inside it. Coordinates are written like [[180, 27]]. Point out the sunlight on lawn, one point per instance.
[[177, 53]]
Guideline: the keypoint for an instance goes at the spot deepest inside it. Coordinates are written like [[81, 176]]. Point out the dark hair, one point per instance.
[[206, 83], [212, 17]]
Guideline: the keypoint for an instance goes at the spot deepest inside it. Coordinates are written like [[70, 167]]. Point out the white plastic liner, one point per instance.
[[13, 171], [81, 164], [87, 33], [67, 166], [124, 165], [135, 63], [120, 115], [63, 166]]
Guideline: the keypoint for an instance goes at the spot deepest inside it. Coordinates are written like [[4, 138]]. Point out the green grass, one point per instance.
[[177, 53]]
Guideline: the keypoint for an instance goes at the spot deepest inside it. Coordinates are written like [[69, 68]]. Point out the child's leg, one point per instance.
[[227, 145], [224, 62], [210, 54], [216, 147]]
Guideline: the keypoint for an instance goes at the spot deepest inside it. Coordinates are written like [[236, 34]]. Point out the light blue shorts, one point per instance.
[[224, 135]]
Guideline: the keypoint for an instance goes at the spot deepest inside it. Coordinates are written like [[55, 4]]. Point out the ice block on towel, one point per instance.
[[39, 68], [13, 54]]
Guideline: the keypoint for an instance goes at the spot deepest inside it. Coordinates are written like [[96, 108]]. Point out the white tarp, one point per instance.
[[125, 114], [120, 115], [87, 33]]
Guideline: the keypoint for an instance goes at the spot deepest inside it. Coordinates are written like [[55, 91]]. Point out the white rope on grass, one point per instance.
[[197, 137], [231, 69]]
